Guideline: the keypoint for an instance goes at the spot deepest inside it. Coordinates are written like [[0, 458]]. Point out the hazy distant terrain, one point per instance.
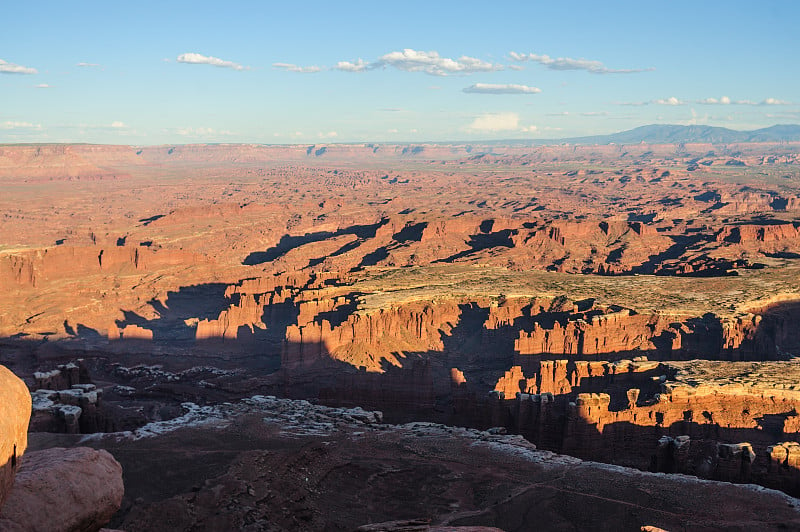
[[630, 304], [674, 134]]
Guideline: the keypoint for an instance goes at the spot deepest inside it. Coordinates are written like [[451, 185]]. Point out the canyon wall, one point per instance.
[[32, 268]]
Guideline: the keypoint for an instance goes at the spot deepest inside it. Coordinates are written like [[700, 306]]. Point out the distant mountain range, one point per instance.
[[672, 134]]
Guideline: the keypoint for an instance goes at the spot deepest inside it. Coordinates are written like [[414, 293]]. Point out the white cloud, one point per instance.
[[672, 100], [116, 124], [289, 67], [328, 135], [432, 63], [408, 60], [490, 122], [358, 66], [595, 113], [714, 101], [724, 100], [568, 63], [199, 59], [516, 67], [727, 101], [775, 101], [491, 88], [90, 65], [42, 86], [11, 68], [12, 124], [393, 130], [198, 132]]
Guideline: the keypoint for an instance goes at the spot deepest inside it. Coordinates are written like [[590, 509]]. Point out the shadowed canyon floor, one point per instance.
[[630, 305]]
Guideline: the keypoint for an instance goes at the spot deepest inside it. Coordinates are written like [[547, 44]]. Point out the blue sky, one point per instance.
[[312, 72]]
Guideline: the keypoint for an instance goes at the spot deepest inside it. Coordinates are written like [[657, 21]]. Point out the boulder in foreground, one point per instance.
[[15, 411], [64, 490]]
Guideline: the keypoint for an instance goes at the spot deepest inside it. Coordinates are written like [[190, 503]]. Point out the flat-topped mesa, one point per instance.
[[643, 229], [65, 400], [413, 326], [245, 315], [77, 410], [308, 310], [562, 377], [364, 339], [661, 336], [583, 335], [592, 407], [712, 417], [783, 466], [129, 332], [505, 312], [256, 303], [32, 268], [786, 233], [63, 161], [63, 377]]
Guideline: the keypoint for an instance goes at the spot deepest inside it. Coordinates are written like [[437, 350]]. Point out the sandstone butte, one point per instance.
[[631, 306]]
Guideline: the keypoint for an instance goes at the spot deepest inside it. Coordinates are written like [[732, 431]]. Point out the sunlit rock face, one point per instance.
[[15, 403]]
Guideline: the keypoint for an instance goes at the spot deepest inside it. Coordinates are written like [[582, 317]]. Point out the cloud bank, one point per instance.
[[408, 60], [672, 100], [11, 68], [490, 122], [432, 63], [727, 101], [358, 66], [290, 67], [509, 88], [568, 63], [199, 59], [13, 124], [496, 122]]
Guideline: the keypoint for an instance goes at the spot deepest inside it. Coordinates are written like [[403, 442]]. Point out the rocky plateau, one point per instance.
[[329, 337]]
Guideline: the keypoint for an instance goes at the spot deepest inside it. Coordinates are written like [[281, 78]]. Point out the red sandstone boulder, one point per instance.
[[64, 490], [15, 411]]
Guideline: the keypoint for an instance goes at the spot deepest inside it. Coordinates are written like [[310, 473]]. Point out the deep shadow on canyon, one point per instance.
[[155, 365]]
